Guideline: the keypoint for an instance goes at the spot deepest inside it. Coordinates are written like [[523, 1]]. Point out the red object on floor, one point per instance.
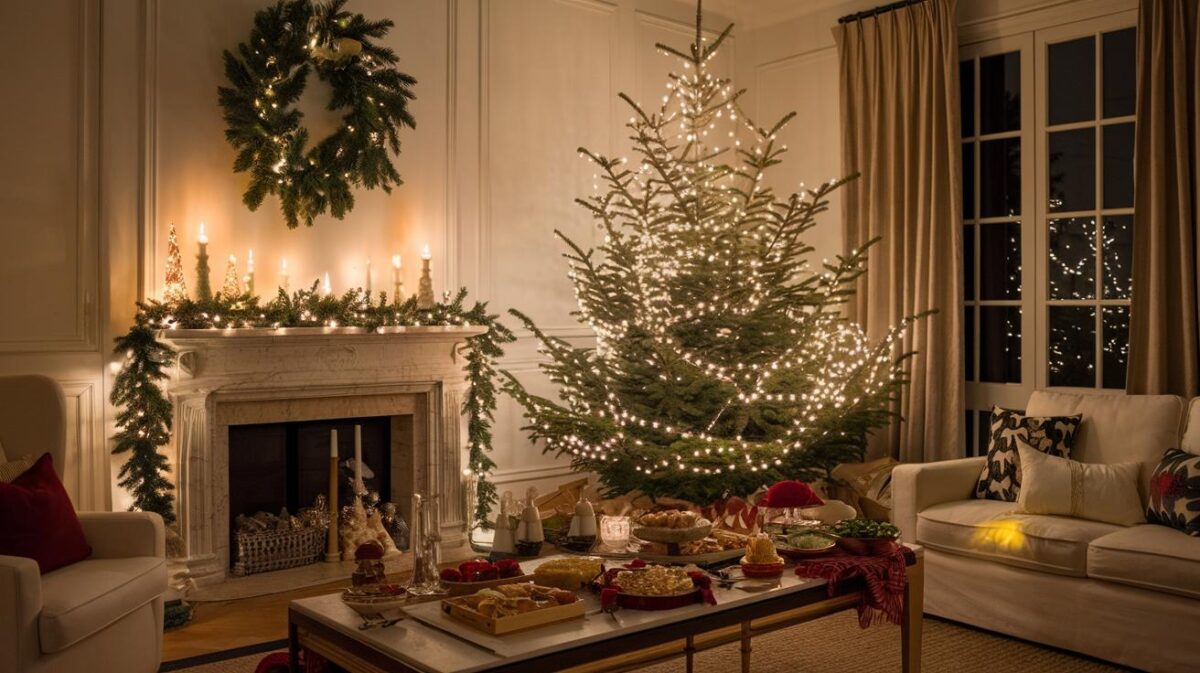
[[884, 577], [38, 521], [277, 662]]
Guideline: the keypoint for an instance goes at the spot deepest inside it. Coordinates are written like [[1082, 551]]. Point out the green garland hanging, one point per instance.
[[144, 422], [267, 76]]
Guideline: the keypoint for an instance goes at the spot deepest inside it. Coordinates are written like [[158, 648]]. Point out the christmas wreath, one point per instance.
[[267, 75]]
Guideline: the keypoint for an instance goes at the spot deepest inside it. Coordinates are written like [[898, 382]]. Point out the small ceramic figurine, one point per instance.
[[505, 539], [582, 533], [530, 534]]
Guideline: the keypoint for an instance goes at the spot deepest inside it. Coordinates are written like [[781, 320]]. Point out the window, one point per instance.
[[1047, 156]]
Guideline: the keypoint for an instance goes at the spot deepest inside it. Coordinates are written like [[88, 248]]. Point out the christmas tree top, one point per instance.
[[722, 360]]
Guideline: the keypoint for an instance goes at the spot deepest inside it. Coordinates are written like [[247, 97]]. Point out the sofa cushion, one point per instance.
[[1001, 477], [85, 597], [1148, 556], [1175, 492], [1117, 428], [993, 530]]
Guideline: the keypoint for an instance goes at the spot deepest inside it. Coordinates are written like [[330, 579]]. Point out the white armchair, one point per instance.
[[102, 614]]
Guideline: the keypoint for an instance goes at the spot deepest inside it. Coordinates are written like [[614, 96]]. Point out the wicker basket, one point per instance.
[[275, 550]]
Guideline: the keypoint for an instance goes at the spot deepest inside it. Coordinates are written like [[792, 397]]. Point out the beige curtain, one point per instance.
[[1163, 355], [900, 131]]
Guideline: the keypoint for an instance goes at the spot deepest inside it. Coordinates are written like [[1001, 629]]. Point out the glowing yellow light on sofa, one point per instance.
[[1001, 534]]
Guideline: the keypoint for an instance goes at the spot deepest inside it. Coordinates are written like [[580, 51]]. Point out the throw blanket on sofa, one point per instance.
[[884, 578]]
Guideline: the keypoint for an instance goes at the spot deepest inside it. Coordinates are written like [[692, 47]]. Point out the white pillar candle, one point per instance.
[[368, 277], [358, 482], [328, 285], [250, 272]]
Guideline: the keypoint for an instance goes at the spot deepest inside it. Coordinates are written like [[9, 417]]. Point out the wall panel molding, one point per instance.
[[86, 472]]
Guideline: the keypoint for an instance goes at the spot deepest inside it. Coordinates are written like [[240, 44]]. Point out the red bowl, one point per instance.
[[867, 546], [762, 570]]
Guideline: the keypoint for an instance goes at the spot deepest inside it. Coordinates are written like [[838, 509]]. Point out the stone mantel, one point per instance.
[[231, 377]]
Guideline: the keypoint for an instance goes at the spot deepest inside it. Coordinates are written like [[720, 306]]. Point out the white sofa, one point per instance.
[[1128, 595], [102, 614]]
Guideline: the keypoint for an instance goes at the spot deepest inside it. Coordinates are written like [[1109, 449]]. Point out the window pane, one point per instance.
[[1072, 348], [984, 426], [1000, 93], [1119, 72], [1073, 258], [1000, 260], [1116, 345], [1118, 255], [1073, 170], [969, 441], [1072, 84], [968, 176], [1000, 178], [966, 96], [969, 262], [1000, 344], [1118, 166], [969, 342]]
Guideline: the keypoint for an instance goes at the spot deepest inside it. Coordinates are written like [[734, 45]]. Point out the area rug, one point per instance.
[[834, 644]]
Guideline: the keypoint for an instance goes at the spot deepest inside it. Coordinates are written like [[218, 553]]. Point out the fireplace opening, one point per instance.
[[274, 466]]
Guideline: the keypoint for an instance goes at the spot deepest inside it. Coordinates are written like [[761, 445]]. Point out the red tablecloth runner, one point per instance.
[[884, 578]]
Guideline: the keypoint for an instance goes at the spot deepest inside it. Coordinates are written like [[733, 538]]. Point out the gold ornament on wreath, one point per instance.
[[267, 75]]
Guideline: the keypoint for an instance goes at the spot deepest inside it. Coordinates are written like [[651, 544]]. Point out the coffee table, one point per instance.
[[597, 643]]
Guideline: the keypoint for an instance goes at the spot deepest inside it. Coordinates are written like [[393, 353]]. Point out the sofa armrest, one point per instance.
[[918, 486], [124, 534], [20, 606]]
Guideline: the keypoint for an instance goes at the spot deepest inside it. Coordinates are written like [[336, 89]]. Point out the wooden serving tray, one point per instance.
[[457, 608], [465, 588]]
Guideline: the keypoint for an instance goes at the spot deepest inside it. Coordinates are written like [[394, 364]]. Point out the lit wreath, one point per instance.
[[267, 76]]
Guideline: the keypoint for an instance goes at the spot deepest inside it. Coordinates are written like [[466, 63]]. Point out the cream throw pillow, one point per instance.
[[15, 468], [1053, 485]]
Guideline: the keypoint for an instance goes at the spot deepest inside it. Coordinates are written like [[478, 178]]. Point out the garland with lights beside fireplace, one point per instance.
[[144, 422]]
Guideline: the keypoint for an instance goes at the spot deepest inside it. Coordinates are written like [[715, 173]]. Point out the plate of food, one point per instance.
[[642, 586], [375, 601], [761, 560], [671, 526], [864, 537], [471, 576], [805, 544], [719, 545], [568, 573], [506, 608]]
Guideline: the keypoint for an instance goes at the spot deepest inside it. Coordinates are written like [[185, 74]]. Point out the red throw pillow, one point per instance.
[[38, 521]]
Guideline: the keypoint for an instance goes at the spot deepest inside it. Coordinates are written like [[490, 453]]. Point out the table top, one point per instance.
[[454, 647]]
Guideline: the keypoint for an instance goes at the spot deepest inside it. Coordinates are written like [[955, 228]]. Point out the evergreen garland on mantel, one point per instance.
[[144, 422]]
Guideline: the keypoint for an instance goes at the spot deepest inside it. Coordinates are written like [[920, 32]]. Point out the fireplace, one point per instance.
[[238, 384], [274, 466]]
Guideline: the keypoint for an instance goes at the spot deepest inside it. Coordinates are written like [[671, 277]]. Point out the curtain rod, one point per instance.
[[883, 9]]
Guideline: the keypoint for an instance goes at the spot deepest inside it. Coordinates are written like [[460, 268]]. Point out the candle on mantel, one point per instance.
[[250, 272], [284, 282], [425, 285], [328, 285], [358, 482], [368, 278], [397, 284], [331, 543]]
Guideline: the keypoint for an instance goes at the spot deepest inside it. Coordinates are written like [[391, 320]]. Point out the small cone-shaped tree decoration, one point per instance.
[[232, 287], [175, 289]]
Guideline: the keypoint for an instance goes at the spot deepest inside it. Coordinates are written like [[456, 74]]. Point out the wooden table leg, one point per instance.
[[914, 608], [293, 648], [745, 647], [690, 654]]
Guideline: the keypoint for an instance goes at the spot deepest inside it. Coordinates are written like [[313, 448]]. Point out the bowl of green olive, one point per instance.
[[864, 537]]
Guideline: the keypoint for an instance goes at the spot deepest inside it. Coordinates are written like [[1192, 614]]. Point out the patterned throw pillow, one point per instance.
[[12, 469], [1175, 492], [1001, 476]]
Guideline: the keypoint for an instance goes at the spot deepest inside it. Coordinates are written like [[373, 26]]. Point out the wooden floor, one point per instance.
[[227, 625]]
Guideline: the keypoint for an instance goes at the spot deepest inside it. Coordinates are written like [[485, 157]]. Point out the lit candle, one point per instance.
[[328, 285], [250, 272], [358, 482], [397, 287], [368, 277], [283, 276], [425, 254], [425, 285], [203, 238]]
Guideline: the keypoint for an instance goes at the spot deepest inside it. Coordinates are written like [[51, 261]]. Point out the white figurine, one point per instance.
[[505, 539], [583, 524], [530, 529]]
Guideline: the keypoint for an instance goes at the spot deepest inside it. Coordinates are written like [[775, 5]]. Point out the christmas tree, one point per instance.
[[232, 286], [175, 288], [722, 361]]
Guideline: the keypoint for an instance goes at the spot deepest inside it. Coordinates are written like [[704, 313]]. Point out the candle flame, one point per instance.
[[328, 285], [425, 254], [284, 264], [203, 236]]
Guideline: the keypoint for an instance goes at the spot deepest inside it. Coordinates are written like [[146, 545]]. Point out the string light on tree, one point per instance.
[[175, 285], [721, 361], [232, 286]]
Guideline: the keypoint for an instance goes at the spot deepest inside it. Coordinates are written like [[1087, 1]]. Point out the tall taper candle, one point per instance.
[[203, 282], [284, 281], [328, 285], [397, 284], [425, 284], [358, 482], [331, 545], [368, 278], [250, 272]]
